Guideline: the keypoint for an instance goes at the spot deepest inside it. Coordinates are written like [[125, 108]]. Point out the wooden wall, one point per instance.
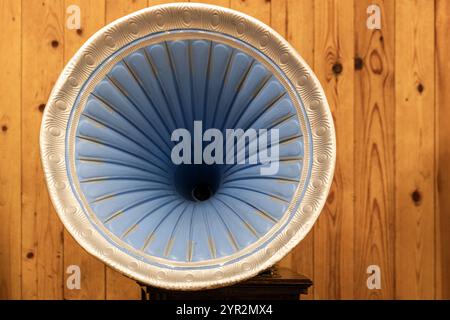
[[389, 91]]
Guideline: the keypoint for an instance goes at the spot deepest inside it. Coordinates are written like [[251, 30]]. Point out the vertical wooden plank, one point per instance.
[[10, 155], [92, 270], [223, 3], [333, 64], [119, 286], [374, 173], [42, 232], [157, 2], [278, 16], [414, 150], [443, 140], [259, 9], [116, 9], [299, 31]]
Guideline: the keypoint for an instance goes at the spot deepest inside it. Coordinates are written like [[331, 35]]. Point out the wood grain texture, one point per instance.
[[333, 64], [42, 232], [442, 67], [414, 150], [92, 270], [116, 9], [389, 203], [278, 16], [223, 3], [10, 154], [259, 9], [374, 149], [119, 287]]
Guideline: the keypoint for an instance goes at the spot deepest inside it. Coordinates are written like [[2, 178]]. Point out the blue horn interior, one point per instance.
[[186, 212]]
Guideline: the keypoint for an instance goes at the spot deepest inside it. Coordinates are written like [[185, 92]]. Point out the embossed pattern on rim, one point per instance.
[[202, 17]]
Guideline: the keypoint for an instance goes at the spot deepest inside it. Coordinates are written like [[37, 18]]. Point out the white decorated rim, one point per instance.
[[122, 32]]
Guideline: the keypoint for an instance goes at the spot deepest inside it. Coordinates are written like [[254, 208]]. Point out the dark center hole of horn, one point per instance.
[[201, 192], [197, 182]]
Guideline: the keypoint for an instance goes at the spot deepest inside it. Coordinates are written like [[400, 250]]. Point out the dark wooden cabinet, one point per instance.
[[274, 284]]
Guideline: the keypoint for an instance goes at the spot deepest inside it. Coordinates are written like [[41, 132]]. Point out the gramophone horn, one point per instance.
[[188, 146]]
